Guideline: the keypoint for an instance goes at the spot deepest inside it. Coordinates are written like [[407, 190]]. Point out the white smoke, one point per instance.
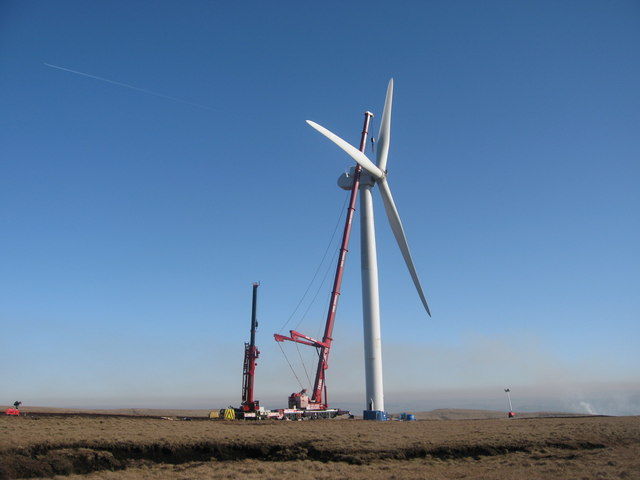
[[587, 407]]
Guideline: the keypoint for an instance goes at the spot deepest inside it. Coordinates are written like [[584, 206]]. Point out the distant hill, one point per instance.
[[469, 414]]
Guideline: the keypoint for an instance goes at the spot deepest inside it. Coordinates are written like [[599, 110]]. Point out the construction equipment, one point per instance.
[[15, 410], [317, 405], [251, 354], [250, 407]]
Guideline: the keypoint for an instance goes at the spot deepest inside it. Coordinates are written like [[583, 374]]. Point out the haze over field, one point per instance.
[[155, 161]]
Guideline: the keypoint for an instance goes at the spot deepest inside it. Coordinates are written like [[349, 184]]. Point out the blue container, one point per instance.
[[411, 417], [374, 415]]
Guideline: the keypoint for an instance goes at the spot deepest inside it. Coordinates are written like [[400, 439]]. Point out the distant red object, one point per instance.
[[512, 414], [13, 411]]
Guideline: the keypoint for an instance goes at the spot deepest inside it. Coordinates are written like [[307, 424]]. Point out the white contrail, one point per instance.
[[120, 84]]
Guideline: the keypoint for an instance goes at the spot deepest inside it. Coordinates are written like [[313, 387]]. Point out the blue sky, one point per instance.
[[142, 195]]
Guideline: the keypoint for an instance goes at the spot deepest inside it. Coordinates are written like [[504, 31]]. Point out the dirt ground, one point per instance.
[[130, 447]]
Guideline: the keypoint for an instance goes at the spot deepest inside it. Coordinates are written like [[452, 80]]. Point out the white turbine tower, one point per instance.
[[375, 174]]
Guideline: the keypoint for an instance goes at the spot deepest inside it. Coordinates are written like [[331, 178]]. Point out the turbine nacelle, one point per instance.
[[345, 181]]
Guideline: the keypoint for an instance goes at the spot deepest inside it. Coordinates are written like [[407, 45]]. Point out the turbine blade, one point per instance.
[[384, 136], [360, 158], [398, 232]]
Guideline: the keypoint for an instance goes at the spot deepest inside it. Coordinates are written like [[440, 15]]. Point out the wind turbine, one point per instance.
[[375, 175]]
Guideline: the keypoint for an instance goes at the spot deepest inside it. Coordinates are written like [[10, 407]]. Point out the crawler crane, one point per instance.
[[317, 405]]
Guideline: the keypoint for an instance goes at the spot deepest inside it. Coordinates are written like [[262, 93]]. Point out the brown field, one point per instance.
[[441, 445]]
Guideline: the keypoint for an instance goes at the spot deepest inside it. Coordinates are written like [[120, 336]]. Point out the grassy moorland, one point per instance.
[[137, 447]]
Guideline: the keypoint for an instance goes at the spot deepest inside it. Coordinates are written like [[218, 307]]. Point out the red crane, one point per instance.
[[251, 354], [318, 400]]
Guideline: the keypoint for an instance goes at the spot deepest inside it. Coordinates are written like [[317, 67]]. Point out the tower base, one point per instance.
[[374, 415]]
